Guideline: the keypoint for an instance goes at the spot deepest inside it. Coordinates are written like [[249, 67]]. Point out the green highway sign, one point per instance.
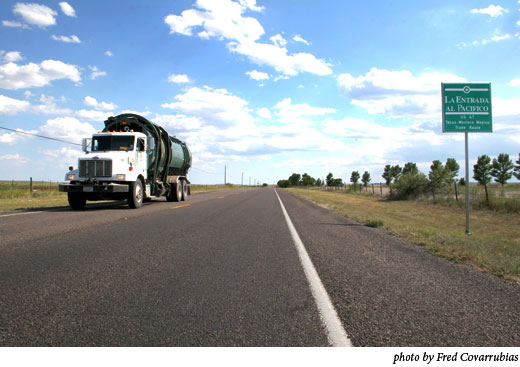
[[466, 107]]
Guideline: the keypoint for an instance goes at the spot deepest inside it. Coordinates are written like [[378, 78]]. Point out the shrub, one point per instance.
[[373, 223], [409, 186]]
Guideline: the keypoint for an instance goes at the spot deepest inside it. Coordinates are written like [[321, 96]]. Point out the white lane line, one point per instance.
[[27, 213], [335, 331], [10, 215]]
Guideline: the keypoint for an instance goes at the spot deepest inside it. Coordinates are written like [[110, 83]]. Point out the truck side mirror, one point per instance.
[[151, 144], [85, 142]]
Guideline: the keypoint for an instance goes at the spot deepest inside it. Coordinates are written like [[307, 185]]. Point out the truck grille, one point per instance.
[[95, 168]]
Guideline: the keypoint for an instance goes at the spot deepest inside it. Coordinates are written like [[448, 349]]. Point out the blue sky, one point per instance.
[[266, 88]]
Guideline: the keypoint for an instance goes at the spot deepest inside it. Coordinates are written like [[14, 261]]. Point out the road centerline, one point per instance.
[[180, 206], [335, 332]]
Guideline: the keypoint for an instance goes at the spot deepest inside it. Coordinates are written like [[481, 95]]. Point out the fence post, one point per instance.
[[381, 188], [456, 193], [30, 186], [373, 190]]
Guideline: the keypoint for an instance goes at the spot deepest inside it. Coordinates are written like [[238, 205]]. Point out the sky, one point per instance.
[[261, 89]]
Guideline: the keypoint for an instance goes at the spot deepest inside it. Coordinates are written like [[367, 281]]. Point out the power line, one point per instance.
[[39, 136], [211, 173]]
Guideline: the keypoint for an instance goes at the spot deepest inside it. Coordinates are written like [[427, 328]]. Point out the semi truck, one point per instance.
[[131, 159]]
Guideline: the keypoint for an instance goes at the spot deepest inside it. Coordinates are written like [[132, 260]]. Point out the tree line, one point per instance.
[[407, 182]]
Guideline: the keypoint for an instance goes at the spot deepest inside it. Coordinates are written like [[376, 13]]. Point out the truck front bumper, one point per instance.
[[96, 189]]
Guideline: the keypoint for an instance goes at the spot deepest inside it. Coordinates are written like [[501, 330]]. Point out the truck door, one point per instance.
[[141, 156]]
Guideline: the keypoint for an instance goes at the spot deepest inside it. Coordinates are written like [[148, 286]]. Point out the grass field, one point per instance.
[[494, 245], [17, 195]]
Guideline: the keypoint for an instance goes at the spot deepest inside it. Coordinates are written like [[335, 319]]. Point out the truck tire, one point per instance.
[[76, 201], [136, 195], [184, 190], [175, 193]]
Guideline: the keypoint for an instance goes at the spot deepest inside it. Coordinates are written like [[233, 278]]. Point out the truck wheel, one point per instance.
[[184, 190], [136, 195], [76, 201], [175, 193]]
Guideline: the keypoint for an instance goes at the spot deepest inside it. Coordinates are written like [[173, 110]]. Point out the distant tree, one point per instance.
[[387, 174], [462, 181], [517, 168], [307, 180], [482, 172], [330, 179], [283, 183], [338, 182], [501, 168], [452, 170], [411, 168], [318, 182], [365, 179], [437, 176], [396, 172], [354, 177], [294, 179]]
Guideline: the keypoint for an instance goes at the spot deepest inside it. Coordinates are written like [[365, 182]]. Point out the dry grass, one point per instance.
[[494, 245]]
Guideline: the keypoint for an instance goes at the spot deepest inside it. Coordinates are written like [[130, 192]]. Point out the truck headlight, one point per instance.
[[70, 176], [121, 177]]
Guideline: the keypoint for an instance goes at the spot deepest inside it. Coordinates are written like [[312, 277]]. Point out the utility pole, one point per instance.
[[249, 180], [225, 175], [242, 183]]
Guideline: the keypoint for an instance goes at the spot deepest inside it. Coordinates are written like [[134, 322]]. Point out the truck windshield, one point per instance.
[[111, 142]]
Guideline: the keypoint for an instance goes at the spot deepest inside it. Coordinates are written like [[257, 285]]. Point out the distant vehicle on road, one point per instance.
[[132, 159]]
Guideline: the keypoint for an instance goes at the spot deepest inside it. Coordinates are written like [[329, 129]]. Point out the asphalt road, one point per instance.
[[222, 270]]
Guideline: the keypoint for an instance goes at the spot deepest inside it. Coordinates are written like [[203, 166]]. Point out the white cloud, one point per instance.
[[72, 39], [276, 57], [178, 122], [257, 75], [495, 38], [96, 72], [251, 5], [14, 159], [492, 10], [67, 9], [506, 107], [10, 106], [514, 82], [92, 115], [14, 24], [287, 112], [264, 113], [67, 128], [103, 106], [396, 93], [65, 155], [49, 106], [14, 138], [141, 113], [215, 106], [36, 14], [179, 79], [299, 38], [109, 53], [219, 18], [13, 76], [224, 20], [13, 56], [278, 40]]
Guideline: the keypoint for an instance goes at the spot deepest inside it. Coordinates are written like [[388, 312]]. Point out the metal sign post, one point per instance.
[[468, 229], [466, 107]]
